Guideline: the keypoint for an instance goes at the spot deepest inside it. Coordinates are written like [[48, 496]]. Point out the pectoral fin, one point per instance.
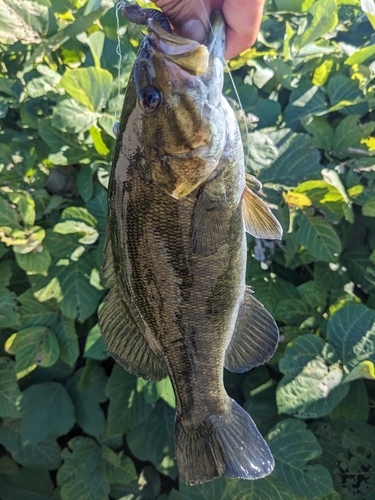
[[253, 183], [259, 220], [209, 224], [255, 336], [124, 339]]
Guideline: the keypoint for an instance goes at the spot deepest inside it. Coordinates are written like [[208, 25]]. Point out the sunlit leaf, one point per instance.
[[88, 86], [306, 481]]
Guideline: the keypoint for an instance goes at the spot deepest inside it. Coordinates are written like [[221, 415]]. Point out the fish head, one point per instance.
[[178, 83]]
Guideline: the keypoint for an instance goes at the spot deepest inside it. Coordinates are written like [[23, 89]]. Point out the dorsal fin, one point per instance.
[[255, 336]]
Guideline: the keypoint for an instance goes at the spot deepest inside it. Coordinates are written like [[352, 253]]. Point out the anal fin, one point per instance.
[[123, 337], [255, 337]]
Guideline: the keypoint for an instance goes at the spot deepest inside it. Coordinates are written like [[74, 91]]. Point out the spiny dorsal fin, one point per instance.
[[255, 336], [125, 341], [209, 224], [259, 220]]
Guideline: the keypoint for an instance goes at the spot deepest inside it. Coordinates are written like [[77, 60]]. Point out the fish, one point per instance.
[[174, 259]]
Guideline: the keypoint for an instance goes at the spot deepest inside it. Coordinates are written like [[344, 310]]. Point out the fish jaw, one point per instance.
[[178, 83]]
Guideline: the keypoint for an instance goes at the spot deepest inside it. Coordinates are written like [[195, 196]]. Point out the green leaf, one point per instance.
[[46, 408], [147, 487], [9, 391], [55, 139], [4, 106], [32, 483], [365, 369], [342, 89], [127, 408], [360, 269], [99, 144], [72, 117], [154, 440], [311, 387], [68, 341], [321, 131], [268, 488], [261, 151], [25, 205], [360, 55], [95, 347], [80, 298], [85, 181], [46, 453], [292, 311], [35, 346], [35, 262], [323, 19], [22, 20], [5, 273], [314, 392], [267, 111], [88, 235], [270, 291], [351, 332], [368, 209], [86, 399], [359, 437], [307, 100], [214, 490], [79, 214], [349, 133], [302, 350], [79, 476], [60, 245], [36, 313], [116, 469], [9, 315], [89, 86], [335, 455], [154, 390], [8, 215], [8, 466], [319, 238], [306, 481], [355, 405], [97, 206], [300, 161]]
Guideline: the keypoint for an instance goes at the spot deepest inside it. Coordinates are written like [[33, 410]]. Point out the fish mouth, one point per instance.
[[190, 55]]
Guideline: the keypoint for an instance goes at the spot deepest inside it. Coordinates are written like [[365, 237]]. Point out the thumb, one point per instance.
[[193, 29]]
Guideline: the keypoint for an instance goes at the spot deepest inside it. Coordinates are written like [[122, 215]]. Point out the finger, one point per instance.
[[243, 18], [190, 18]]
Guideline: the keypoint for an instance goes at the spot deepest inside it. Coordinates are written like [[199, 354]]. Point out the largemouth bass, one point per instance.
[[175, 253]]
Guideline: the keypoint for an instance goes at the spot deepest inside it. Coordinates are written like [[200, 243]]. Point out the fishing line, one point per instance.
[[119, 53], [234, 88]]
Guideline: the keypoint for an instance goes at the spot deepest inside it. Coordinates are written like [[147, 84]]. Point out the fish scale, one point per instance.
[[175, 254]]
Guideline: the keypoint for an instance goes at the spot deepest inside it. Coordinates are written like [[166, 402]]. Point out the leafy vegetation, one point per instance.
[[76, 426]]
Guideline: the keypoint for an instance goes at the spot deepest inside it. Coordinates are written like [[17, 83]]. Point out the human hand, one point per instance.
[[190, 18]]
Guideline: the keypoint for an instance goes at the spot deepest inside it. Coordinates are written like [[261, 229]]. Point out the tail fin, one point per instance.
[[227, 444]]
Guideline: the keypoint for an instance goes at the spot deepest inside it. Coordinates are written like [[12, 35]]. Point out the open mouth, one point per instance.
[[190, 55]]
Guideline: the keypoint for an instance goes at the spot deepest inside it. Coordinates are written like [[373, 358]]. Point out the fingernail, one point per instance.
[[194, 29]]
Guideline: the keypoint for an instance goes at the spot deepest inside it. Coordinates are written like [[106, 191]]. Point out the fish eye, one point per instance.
[[150, 99]]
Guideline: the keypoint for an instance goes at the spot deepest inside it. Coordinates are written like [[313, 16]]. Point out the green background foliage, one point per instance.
[[75, 426]]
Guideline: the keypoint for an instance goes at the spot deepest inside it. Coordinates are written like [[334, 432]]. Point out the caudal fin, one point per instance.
[[227, 444]]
